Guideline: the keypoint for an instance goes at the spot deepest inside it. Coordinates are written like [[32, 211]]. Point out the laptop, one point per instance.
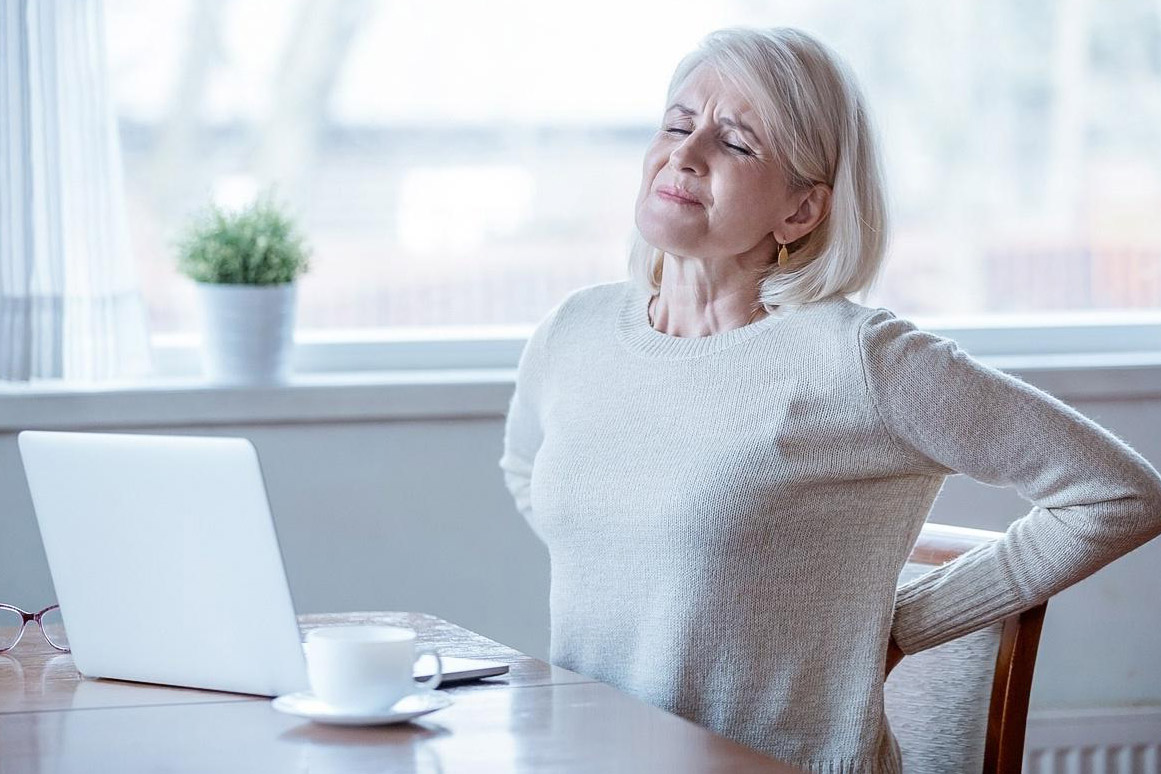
[[166, 563]]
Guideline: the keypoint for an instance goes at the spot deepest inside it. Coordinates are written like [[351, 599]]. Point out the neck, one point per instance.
[[693, 303]]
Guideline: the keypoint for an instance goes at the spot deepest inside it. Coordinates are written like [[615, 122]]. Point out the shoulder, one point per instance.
[[836, 321], [579, 309], [586, 305], [594, 300], [835, 311], [894, 350], [885, 336], [884, 339]]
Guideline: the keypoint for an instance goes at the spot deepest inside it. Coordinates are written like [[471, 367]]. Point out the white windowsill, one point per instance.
[[468, 373], [412, 394], [339, 397]]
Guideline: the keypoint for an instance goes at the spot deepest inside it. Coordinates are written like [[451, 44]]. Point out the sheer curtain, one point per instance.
[[70, 304]]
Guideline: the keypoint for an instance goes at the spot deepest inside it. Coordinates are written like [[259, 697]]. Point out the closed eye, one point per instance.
[[736, 148]]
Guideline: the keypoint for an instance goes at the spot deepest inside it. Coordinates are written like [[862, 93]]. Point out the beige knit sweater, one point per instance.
[[727, 516]]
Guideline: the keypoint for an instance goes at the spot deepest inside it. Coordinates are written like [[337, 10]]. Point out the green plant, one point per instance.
[[256, 245]]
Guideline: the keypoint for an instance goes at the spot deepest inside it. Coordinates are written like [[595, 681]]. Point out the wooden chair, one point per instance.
[[963, 706]]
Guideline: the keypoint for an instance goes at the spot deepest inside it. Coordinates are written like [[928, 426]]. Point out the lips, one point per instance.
[[679, 195]]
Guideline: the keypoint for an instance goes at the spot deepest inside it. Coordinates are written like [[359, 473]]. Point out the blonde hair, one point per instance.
[[810, 104]]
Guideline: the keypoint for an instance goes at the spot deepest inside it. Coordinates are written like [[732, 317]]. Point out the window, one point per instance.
[[468, 164]]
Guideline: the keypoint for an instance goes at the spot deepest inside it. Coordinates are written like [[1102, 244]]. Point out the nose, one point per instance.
[[688, 155]]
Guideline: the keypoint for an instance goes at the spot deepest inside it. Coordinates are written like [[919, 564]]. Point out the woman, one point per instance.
[[729, 461]]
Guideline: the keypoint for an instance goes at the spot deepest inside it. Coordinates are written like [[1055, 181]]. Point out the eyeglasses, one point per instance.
[[13, 620]]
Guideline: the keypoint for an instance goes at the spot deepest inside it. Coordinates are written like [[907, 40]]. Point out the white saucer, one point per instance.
[[304, 704]]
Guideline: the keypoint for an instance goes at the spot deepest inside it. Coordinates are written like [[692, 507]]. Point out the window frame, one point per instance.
[[1090, 337], [385, 377]]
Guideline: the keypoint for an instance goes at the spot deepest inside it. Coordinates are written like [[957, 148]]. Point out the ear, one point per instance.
[[813, 207]]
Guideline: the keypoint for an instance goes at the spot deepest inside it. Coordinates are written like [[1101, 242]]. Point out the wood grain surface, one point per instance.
[[536, 718]]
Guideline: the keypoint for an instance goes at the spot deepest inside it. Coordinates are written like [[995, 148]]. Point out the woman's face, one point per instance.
[[711, 187]]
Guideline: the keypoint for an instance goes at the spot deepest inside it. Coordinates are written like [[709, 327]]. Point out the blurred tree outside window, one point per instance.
[[468, 164]]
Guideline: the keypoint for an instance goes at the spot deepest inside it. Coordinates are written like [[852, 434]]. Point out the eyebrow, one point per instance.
[[688, 111]]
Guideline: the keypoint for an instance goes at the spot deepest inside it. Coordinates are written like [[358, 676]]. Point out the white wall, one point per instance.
[[413, 515]]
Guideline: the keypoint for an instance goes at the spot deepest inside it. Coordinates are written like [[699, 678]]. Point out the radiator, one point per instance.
[[1124, 741]]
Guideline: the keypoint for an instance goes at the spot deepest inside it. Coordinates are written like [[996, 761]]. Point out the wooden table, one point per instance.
[[536, 718]]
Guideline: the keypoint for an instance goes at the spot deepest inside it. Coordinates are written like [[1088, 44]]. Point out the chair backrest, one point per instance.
[[963, 706]]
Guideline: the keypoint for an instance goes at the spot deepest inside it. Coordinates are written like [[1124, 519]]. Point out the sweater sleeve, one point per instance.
[[1093, 497], [523, 430]]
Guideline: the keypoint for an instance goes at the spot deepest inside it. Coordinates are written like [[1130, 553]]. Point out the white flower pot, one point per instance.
[[247, 332]]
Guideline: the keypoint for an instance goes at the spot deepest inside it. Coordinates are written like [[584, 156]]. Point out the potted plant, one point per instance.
[[245, 263]]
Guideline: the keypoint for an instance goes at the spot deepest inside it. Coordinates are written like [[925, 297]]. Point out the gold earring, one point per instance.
[[783, 255]]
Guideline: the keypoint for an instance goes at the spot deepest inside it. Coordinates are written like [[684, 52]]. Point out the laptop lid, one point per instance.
[[165, 560]]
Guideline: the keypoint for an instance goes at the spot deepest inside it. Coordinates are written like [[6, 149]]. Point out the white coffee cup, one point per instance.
[[365, 668]]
